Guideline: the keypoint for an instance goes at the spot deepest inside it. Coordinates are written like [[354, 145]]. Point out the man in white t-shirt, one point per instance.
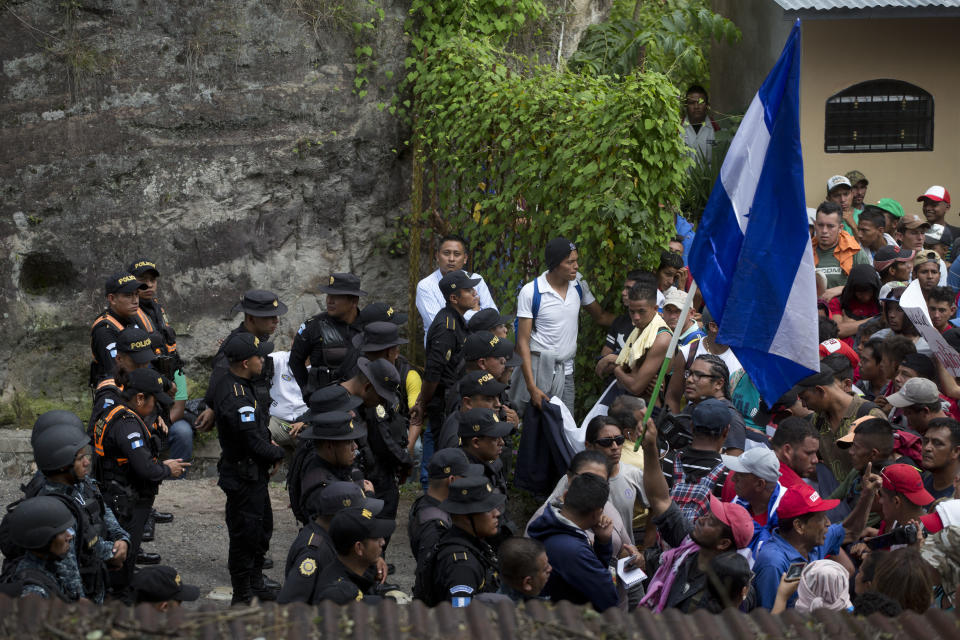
[[548, 311], [286, 402], [451, 256]]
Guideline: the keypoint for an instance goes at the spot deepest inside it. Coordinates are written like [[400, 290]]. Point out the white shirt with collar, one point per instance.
[[556, 325], [430, 300], [285, 395]]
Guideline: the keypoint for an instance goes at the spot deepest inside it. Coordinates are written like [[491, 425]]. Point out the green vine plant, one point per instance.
[[513, 153]]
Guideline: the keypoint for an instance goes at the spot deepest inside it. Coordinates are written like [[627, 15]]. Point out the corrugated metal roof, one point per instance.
[[37, 618], [827, 5]]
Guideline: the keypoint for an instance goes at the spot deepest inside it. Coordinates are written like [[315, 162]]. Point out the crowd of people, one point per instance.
[[842, 494]]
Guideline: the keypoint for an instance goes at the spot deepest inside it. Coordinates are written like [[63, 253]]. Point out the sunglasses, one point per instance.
[[608, 442]]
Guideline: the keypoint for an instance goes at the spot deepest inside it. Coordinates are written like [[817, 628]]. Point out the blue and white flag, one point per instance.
[[752, 257]]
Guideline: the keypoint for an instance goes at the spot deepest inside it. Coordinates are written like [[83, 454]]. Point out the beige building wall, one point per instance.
[[924, 52]]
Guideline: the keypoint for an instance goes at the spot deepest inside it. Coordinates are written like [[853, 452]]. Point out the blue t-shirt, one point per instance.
[[928, 485], [777, 555]]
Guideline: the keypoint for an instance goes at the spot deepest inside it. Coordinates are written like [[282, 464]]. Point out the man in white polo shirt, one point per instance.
[[451, 256], [548, 311]]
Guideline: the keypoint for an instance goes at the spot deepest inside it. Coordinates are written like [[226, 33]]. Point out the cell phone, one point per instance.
[[793, 573], [901, 535]]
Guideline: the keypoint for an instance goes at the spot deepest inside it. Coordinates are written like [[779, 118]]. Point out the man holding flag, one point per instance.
[[752, 256]]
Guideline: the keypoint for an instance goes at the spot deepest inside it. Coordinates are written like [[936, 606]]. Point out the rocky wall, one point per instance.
[[222, 139]]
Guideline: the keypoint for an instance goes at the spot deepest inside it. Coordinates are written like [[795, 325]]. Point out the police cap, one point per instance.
[[142, 266], [151, 383], [377, 336], [383, 376], [241, 346], [122, 282], [480, 383], [337, 496], [488, 320], [136, 343], [452, 462], [380, 312], [333, 397], [354, 524], [160, 584], [482, 422], [456, 280]]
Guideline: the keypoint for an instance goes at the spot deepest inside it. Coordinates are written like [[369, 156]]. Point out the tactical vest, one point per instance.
[[97, 368], [113, 473], [327, 356]]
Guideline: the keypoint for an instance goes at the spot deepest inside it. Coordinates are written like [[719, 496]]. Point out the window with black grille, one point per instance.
[[879, 115]]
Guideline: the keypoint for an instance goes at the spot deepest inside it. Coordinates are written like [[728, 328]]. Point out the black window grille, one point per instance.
[[879, 115]]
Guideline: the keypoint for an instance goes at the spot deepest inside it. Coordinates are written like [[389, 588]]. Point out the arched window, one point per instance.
[[879, 115]]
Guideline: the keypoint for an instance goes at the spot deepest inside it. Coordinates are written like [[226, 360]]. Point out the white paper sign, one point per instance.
[[915, 308]]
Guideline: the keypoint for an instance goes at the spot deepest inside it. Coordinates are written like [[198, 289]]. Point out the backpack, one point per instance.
[[424, 586], [535, 306], [693, 498], [13, 580]]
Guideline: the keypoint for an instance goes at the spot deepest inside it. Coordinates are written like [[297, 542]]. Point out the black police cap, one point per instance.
[[480, 382], [472, 495], [122, 282], [160, 584], [261, 304], [151, 383], [343, 284], [456, 280], [381, 312], [354, 524], [136, 343], [244, 345], [377, 336], [452, 462], [482, 422]]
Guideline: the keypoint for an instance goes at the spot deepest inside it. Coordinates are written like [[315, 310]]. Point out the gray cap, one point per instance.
[[759, 461], [915, 391]]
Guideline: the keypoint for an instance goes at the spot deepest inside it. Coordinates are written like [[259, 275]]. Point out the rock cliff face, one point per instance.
[[223, 139]]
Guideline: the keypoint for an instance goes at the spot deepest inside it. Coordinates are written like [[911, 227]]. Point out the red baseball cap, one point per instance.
[[833, 345], [735, 517], [795, 503], [905, 479], [937, 194]]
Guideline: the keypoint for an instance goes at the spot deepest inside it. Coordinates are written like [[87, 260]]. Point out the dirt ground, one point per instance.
[[196, 541]]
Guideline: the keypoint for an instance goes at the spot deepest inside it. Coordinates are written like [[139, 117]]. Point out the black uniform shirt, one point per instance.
[[309, 555], [444, 358], [241, 429], [464, 565], [126, 437], [341, 585]]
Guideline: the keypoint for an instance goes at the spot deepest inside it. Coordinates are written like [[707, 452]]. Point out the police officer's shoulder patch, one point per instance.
[[302, 328], [308, 567], [247, 414], [381, 412], [461, 589]]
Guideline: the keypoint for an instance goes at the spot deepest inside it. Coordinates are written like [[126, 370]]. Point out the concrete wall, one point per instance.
[[841, 53]]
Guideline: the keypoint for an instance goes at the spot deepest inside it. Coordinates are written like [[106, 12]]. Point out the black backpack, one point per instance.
[[424, 588]]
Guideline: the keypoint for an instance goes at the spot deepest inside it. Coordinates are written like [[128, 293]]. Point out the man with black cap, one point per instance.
[[481, 438], [380, 339], [548, 310], [168, 361], [162, 588], [126, 464], [487, 352], [444, 356], [476, 389], [490, 320], [246, 458], [312, 551], [384, 457], [325, 448], [121, 291], [134, 348], [327, 338], [380, 312], [835, 410], [358, 538], [463, 565], [261, 317], [427, 521]]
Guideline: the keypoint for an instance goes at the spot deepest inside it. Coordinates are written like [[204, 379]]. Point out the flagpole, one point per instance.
[[684, 312]]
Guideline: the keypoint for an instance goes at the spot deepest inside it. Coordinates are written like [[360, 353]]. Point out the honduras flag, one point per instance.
[[752, 257]]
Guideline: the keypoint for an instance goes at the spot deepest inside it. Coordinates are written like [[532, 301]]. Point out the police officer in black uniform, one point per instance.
[[445, 338], [463, 565], [380, 312], [135, 350], [121, 291], [261, 317], [358, 538], [490, 320], [153, 318], [476, 389], [384, 457], [327, 338], [315, 464], [312, 551], [246, 458], [126, 465], [481, 438], [63, 454], [427, 521]]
